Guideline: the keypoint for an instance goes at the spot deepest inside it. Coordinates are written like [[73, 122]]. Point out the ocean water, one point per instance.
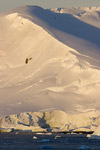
[[54, 141]]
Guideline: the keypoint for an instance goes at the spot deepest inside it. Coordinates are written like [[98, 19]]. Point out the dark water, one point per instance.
[[56, 141]]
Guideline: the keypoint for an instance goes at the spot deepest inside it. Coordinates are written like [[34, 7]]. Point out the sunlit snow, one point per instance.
[[50, 59]]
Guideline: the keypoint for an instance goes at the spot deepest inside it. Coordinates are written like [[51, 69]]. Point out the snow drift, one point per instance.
[[49, 59]]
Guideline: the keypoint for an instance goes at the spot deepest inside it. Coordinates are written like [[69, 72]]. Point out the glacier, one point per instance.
[[50, 61], [52, 121]]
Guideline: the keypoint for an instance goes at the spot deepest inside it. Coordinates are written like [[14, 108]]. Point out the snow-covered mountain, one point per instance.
[[55, 121], [49, 59]]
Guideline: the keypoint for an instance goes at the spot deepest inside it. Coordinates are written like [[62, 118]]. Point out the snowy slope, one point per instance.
[[90, 15], [49, 60]]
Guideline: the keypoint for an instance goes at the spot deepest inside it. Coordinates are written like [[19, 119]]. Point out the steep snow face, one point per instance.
[[43, 65], [90, 15]]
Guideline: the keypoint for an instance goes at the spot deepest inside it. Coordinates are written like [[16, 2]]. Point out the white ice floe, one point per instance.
[[34, 137]]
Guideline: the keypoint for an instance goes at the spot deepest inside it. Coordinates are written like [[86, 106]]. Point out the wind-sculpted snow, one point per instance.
[[90, 15], [82, 33], [49, 60]]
